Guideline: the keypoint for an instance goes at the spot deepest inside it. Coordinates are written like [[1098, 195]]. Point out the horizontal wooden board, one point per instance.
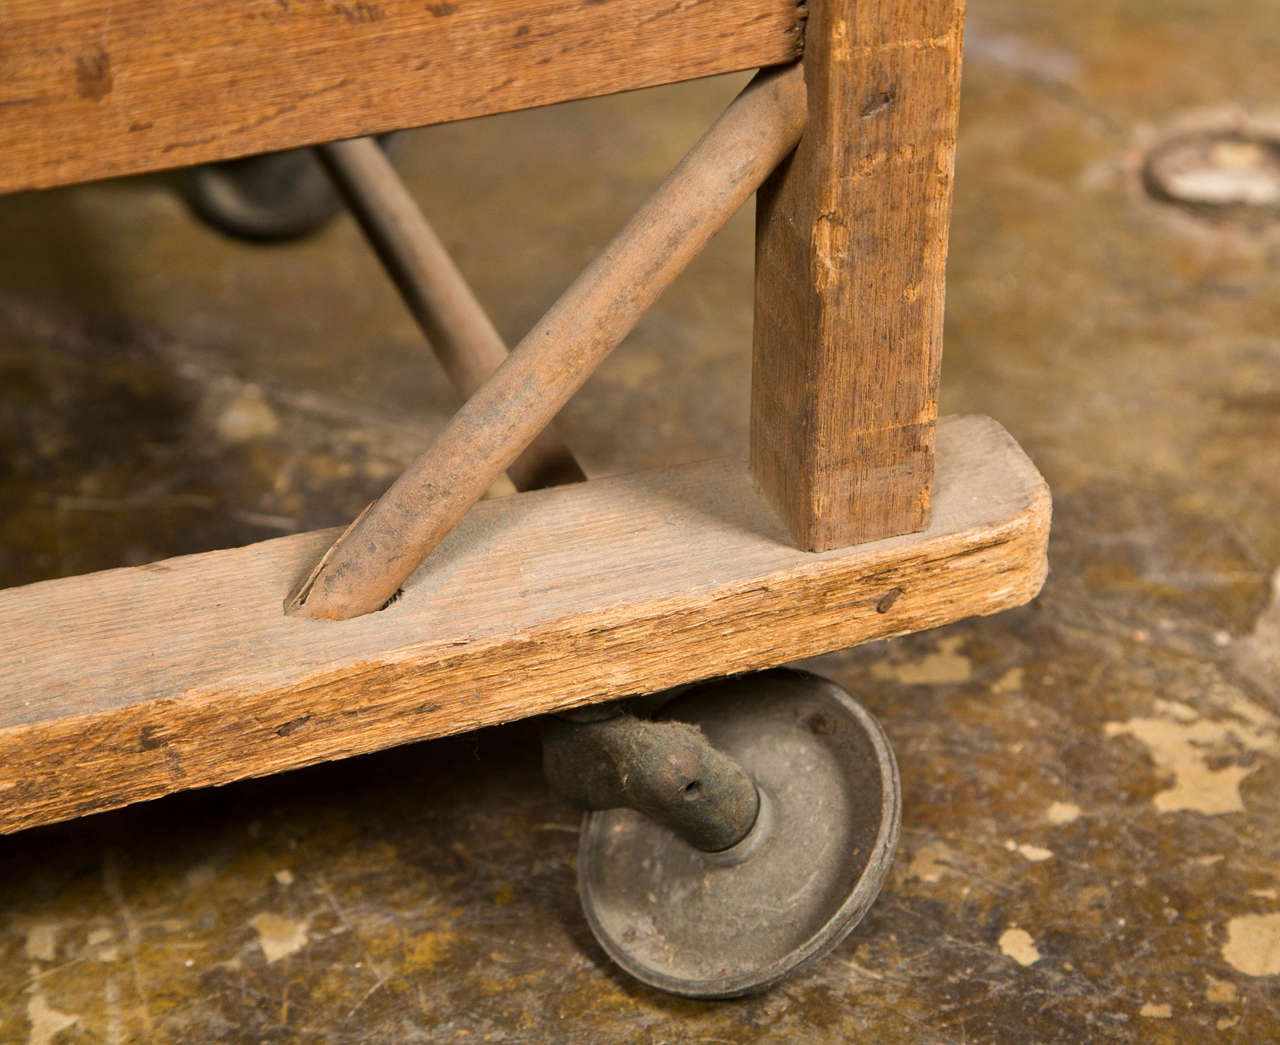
[[133, 683], [96, 88]]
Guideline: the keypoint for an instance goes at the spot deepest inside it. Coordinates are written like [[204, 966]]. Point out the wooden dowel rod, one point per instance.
[[466, 342], [377, 553]]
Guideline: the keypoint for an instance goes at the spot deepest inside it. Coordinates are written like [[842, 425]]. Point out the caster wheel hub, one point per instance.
[[717, 925]]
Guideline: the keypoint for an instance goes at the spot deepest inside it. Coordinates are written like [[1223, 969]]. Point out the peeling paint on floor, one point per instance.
[[46, 1023], [946, 665], [1253, 944], [1063, 813], [279, 937], [1033, 853], [930, 862], [1019, 945], [1186, 745]]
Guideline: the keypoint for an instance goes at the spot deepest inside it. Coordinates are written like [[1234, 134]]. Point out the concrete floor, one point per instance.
[[1091, 842]]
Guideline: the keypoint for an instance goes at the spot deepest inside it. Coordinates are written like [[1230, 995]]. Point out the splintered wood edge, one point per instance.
[[673, 577]]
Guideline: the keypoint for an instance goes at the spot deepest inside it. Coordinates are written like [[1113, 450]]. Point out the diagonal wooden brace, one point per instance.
[[465, 340], [371, 560]]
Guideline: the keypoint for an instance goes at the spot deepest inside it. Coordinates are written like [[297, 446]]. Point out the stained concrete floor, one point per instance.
[[1091, 843]]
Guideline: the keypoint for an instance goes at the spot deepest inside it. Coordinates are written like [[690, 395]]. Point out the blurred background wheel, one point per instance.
[[272, 198]]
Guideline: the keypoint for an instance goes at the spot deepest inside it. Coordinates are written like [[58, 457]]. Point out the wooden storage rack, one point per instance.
[[859, 516]]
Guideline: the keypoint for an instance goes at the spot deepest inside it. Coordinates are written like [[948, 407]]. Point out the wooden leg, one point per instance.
[[851, 243]]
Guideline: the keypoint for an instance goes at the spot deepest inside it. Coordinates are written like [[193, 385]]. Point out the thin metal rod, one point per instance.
[[371, 560], [466, 342]]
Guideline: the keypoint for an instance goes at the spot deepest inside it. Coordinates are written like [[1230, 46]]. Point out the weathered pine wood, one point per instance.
[[463, 336], [134, 683], [96, 88], [387, 542], [851, 246]]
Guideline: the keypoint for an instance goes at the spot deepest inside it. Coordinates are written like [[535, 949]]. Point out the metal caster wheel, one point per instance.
[[718, 924], [272, 198]]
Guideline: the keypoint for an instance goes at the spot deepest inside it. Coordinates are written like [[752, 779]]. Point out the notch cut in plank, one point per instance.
[[134, 683], [94, 89]]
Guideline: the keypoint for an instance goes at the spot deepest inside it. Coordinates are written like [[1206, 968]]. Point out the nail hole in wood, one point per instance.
[[890, 597]]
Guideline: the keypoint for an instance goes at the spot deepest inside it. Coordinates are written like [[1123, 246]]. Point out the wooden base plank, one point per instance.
[[134, 683]]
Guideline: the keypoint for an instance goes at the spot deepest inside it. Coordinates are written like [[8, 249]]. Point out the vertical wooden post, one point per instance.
[[851, 244]]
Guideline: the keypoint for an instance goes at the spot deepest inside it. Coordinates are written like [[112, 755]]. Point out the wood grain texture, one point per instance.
[[851, 247], [98, 88], [134, 683]]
